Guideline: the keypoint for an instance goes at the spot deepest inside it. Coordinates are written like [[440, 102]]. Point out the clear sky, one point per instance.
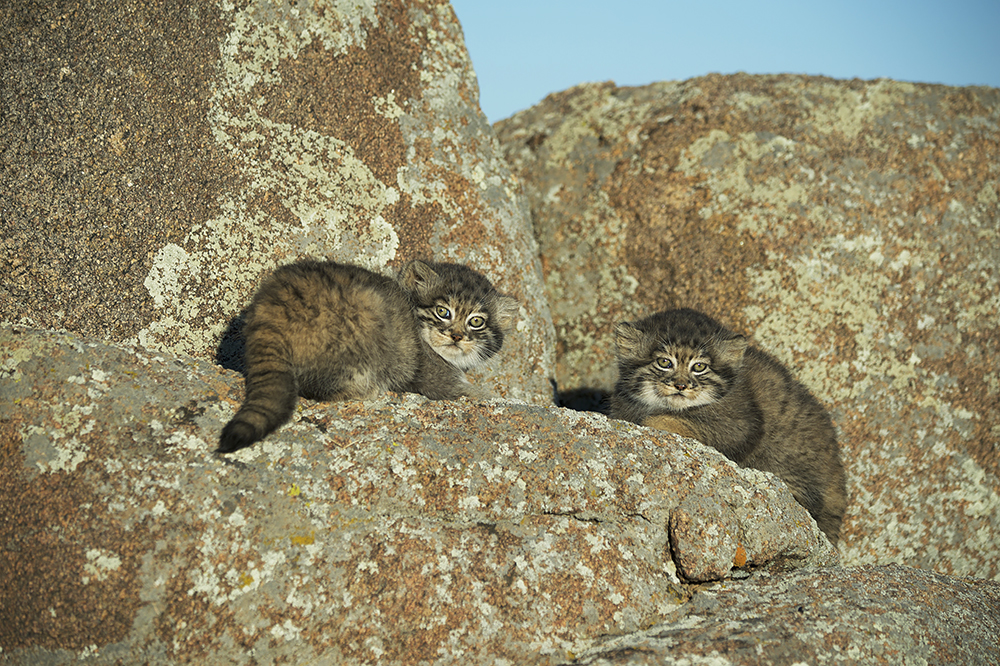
[[523, 50]]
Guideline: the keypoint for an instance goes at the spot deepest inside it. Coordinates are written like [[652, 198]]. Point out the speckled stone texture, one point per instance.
[[396, 531], [861, 615], [158, 159], [850, 227]]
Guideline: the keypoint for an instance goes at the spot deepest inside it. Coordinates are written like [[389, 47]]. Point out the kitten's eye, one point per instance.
[[664, 363], [442, 312], [699, 367], [476, 322]]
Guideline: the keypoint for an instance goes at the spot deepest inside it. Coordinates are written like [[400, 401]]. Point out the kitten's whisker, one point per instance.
[[736, 399], [330, 331]]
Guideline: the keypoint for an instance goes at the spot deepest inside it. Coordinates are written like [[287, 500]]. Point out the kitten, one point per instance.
[[329, 331], [682, 371]]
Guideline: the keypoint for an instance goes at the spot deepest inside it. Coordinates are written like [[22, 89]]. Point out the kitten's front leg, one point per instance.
[[671, 424], [476, 392]]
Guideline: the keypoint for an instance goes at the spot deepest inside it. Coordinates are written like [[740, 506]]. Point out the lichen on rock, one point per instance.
[[848, 226]]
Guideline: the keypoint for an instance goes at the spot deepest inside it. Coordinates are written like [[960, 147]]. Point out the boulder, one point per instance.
[[850, 227], [858, 615], [158, 160], [393, 531]]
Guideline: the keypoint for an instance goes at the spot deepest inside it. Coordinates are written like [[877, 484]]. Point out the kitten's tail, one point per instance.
[[271, 398]]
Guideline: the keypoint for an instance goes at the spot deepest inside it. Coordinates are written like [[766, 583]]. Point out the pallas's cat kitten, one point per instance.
[[684, 372], [329, 331]]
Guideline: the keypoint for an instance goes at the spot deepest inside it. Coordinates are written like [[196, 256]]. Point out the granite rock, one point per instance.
[[850, 227], [159, 159], [396, 531], [857, 615]]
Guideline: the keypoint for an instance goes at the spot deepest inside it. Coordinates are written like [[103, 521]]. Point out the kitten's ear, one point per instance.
[[627, 339], [506, 312], [730, 351], [417, 276]]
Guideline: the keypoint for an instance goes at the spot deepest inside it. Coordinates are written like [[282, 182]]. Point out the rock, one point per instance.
[[850, 227], [398, 530], [859, 615], [158, 160]]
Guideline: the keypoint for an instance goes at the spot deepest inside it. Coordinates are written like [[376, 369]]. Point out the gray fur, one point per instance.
[[329, 331], [743, 402]]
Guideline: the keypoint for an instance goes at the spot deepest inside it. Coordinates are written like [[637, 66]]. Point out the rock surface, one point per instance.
[[850, 227], [159, 159], [394, 531], [860, 615]]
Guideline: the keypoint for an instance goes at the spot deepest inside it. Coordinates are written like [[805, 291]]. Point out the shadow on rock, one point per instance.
[[585, 399], [229, 353]]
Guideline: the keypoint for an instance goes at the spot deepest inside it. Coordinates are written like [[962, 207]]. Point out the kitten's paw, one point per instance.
[[235, 436], [671, 423], [474, 392]]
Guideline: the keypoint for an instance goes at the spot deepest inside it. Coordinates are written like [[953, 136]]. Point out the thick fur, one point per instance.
[[462, 316], [684, 372], [329, 331]]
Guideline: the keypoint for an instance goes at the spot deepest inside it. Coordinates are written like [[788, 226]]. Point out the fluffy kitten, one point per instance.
[[329, 331], [682, 371]]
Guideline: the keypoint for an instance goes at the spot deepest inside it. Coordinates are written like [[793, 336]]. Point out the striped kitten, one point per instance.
[[684, 372], [329, 331]]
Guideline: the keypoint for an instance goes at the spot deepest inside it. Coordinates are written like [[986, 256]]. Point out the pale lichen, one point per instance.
[[317, 178]]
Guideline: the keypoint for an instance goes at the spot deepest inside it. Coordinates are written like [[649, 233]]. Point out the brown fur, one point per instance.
[[329, 331], [743, 402]]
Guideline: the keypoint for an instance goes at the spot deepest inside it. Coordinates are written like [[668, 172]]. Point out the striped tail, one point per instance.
[[271, 398]]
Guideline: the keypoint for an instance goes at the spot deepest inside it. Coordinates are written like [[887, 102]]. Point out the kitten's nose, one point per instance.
[[680, 387], [457, 337]]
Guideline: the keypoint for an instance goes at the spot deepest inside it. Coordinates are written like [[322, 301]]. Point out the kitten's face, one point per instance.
[[462, 317], [673, 366], [459, 331], [678, 378]]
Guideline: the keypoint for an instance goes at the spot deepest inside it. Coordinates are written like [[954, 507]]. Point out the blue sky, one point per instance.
[[523, 50]]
